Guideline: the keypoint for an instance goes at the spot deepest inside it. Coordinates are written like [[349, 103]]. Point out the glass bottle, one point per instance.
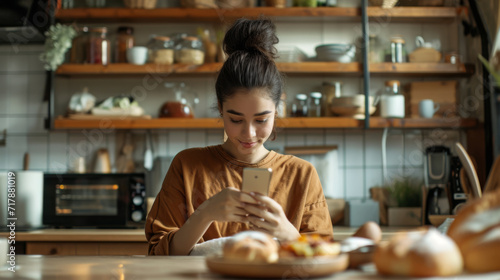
[[398, 52], [299, 106], [331, 90], [392, 101], [190, 51], [99, 51], [315, 109], [124, 41], [375, 51], [161, 50], [79, 46]]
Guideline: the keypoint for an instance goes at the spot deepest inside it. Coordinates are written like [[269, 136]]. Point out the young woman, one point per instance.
[[200, 199]]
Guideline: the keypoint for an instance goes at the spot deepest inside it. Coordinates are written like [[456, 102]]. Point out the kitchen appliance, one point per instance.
[[437, 176], [115, 200], [27, 202], [456, 196], [24, 21]]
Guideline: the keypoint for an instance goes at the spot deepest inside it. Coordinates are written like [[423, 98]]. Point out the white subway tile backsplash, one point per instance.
[[3, 157], [414, 151], [373, 146], [295, 138], [58, 152], [34, 64], [3, 94], [373, 178], [36, 125], [215, 137], [17, 94], [161, 144], [17, 125], [339, 189], [36, 91], [315, 137], [38, 151], [354, 183], [395, 148], [17, 146], [176, 141], [336, 137], [354, 149], [196, 138]]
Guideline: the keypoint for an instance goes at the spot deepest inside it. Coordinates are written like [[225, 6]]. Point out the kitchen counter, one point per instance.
[[151, 267], [135, 235]]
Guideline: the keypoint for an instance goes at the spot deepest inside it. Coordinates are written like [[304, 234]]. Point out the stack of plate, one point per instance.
[[344, 53]]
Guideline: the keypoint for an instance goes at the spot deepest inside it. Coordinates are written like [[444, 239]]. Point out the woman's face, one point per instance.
[[248, 120]]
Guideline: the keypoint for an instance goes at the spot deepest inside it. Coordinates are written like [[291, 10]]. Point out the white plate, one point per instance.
[[300, 268], [470, 169]]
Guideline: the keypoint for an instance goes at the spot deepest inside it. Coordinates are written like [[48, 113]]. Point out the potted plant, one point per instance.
[[404, 202]]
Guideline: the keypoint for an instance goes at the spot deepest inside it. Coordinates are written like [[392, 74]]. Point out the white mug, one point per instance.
[[137, 55], [427, 109], [392, 106]]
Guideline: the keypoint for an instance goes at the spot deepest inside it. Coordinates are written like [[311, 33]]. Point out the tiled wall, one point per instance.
[[22, 113]]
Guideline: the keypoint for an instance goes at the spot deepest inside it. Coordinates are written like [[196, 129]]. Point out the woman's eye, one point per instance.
[[235, 121], [262, 121]]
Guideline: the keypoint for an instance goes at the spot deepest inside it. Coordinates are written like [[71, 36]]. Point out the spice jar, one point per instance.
[[124, 41], [392, 101], [79, 46], [190, 51], [99, 51], [316, 109], [161, 50], [299, 106]]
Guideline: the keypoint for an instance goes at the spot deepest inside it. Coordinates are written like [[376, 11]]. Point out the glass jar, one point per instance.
[[190, 51], [299, 106], [316, 109], [99, 51], [392, 101], [124, 41], [398, 52], [179, 106], [96, 3], [374, 50], [161, 50], [79, 46]]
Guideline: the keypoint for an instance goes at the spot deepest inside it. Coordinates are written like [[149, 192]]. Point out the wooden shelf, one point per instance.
[[220, 15], [354, 68], [216, 123]]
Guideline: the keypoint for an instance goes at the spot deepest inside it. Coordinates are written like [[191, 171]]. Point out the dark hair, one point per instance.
[[249, 45]]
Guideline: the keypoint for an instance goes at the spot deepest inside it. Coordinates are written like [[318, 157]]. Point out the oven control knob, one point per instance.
[[136, 216], [137, 200]]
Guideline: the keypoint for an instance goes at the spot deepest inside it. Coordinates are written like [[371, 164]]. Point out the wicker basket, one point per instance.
[[386, 4], [199, 4], [140, 4]]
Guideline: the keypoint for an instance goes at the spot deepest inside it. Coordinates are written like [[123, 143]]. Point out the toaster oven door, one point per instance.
[[85, 200]]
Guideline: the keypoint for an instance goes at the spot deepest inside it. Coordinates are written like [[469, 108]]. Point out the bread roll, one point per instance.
[[370, 230], [421, 253], [251, 246], [476, 230]]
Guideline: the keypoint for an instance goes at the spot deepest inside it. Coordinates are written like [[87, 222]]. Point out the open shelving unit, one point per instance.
[[397, 14]]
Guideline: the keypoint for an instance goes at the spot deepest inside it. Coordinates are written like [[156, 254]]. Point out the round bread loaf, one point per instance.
[[422, 253], [251, 246], [476, 230]]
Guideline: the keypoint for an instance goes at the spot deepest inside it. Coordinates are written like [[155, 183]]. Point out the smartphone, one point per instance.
[[255, 180]]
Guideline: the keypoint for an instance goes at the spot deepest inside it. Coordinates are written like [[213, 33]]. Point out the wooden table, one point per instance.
[[109, 242], [151, 267]]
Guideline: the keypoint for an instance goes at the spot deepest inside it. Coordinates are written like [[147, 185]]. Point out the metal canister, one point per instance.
[[397, 50]]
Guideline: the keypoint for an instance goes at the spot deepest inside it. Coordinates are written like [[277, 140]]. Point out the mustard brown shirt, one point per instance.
[[197, 174]]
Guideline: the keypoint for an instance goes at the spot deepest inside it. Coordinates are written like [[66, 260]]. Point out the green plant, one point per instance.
[[405, 192], [58, 41]]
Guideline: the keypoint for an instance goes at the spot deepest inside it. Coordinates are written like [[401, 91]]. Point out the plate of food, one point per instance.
[[257, 255]]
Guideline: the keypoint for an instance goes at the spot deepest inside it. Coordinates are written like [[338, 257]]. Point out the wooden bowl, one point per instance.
[[437, 220]]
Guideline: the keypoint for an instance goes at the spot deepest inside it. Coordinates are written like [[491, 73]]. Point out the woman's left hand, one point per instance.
[[268, 216]]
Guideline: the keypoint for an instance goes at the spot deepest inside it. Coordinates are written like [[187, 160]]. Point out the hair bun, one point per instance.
[[250, 36]]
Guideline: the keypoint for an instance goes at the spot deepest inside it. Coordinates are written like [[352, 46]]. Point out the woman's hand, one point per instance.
[[225, 206], [268, 216]]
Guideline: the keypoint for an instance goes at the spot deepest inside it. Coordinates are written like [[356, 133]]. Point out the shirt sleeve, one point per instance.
[[168, 213], [316, 217]]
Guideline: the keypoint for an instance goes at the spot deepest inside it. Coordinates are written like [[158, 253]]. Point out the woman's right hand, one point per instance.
[[225, 206]]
